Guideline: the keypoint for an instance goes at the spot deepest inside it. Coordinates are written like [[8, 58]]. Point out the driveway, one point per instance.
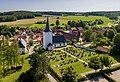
[[31, 49]]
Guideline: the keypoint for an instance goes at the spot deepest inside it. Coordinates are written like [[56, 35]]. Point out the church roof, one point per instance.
[[47, 28], [59, 39]]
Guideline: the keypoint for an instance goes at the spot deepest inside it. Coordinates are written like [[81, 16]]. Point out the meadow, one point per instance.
[[63, 20], [14, 76]]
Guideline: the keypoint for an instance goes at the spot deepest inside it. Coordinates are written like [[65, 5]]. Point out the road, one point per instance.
[[31, 50], [51, 78]]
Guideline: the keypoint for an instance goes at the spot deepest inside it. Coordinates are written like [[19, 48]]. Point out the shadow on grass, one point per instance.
[[116, 57]]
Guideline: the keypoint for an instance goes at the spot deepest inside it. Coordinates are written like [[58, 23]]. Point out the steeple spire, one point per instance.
[[47, 29]]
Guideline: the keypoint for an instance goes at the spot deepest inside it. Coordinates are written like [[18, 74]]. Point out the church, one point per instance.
[[50, 40]]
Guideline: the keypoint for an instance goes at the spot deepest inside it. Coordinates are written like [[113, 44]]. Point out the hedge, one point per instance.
[[55, 74]]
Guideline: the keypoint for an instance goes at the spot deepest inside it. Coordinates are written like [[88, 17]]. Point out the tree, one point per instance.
[[110, 34], [31, 42], [57, 22], [99, 35], [94, 63], [87, 34], [39, 65], [57, 17], [106, 61], [117, 28], [68, 75], [15, 52], [116, 44], [69, 22]]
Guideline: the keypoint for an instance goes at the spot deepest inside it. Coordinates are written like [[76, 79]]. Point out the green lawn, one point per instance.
[[14, 76]]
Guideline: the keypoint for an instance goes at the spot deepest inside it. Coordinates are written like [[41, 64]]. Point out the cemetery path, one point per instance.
[[75, 57]]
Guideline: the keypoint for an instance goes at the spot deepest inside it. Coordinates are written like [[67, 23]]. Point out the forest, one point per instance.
[[16, 15]]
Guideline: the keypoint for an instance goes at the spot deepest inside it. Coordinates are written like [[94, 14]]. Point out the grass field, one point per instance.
[[63, 19], [14, 76]]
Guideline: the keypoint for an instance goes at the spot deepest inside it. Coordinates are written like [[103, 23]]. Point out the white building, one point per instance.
[[51, 41], [22, 46]]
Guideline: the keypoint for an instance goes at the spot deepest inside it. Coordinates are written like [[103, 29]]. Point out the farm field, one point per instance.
[[62, 19]]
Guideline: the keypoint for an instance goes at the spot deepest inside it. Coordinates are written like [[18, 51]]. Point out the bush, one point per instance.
[[55, 74], [92, 75]]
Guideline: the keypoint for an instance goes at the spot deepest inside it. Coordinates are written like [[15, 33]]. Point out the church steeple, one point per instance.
[[47, 29]]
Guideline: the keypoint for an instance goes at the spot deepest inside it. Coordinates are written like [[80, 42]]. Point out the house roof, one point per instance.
[[58, 39], [102, 31], [100, 48], [68, 36], [57, 30], [47, 29], [22, 43]]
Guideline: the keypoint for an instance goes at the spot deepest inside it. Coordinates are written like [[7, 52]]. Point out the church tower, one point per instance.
[[47, 35]]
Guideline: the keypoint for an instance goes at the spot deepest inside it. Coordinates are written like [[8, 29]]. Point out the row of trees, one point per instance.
[[9, 55]]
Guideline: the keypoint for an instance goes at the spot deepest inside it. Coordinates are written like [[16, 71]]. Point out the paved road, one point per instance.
[[87, 45], [51, 78], [31, 50]]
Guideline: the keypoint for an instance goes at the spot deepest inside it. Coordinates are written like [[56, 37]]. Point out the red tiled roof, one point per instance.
[[37, 36], [100, 48], [102, 31], [21, 36], [68, 36], [57, 30]]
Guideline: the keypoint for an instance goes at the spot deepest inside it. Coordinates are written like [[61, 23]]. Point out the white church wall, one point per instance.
[[47, 38], [65, 43], [57, 44]]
